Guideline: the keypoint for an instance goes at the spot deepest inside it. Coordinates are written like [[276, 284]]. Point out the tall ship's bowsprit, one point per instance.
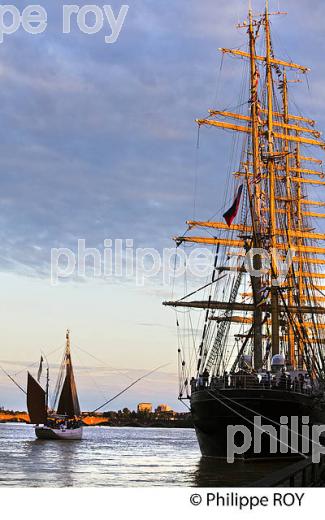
[[261, 352], [64, 423]]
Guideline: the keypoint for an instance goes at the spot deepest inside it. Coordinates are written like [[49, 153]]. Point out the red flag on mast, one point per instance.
[[230, 215]]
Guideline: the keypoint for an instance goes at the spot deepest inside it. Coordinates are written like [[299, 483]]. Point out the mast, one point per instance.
[[255, 208], [68, 401], [272, 194], [47, 388], [291, 337], [67, 344], [300, 241]]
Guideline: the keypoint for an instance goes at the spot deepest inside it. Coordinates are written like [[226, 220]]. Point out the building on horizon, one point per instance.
[[145, 408], [163, 408]]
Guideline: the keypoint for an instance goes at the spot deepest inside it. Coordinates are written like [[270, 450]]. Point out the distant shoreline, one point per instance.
[[115, 419]]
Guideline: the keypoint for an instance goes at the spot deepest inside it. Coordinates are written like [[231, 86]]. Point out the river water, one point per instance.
[[124, 457]]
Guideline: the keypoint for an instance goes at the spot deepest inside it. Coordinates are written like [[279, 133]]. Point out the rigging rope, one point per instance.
[[128, 387], [12, 379]]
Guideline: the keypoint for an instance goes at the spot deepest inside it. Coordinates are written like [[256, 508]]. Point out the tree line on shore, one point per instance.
[[123, 417]]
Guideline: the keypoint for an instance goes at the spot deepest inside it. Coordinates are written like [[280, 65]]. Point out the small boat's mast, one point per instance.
[[67, 353], [67, 345], [271, 171], [47, 388]]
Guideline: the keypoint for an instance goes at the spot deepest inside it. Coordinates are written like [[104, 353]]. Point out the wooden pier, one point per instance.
[[300, 474]]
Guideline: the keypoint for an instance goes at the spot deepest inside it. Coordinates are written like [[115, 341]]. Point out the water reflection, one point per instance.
[[119, 457], [212, 472], [50, 461]]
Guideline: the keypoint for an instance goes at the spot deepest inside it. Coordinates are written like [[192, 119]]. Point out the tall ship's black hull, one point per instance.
[[214, 411]]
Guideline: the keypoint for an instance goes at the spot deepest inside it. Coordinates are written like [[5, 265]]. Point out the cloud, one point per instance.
[[96, 138]]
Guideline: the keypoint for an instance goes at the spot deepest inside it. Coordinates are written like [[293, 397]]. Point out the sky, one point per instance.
[[98, 142]]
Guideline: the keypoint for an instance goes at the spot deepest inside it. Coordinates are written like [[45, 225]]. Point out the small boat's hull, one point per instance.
[[47, 433]]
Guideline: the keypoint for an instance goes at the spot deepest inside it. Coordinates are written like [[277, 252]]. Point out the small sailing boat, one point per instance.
[[64, 423]]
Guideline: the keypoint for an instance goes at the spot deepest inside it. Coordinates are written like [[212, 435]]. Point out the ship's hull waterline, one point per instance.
[[214, 411], [47, 433]]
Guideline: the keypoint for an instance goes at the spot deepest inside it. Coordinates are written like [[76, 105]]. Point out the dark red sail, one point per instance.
[[36, 401], [69, 402]]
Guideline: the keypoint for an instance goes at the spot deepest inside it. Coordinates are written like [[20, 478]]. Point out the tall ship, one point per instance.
[[257, 353], [61, 421]]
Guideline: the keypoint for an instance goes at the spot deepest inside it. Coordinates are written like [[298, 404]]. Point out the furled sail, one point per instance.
[[69, 402], [36, 401]]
